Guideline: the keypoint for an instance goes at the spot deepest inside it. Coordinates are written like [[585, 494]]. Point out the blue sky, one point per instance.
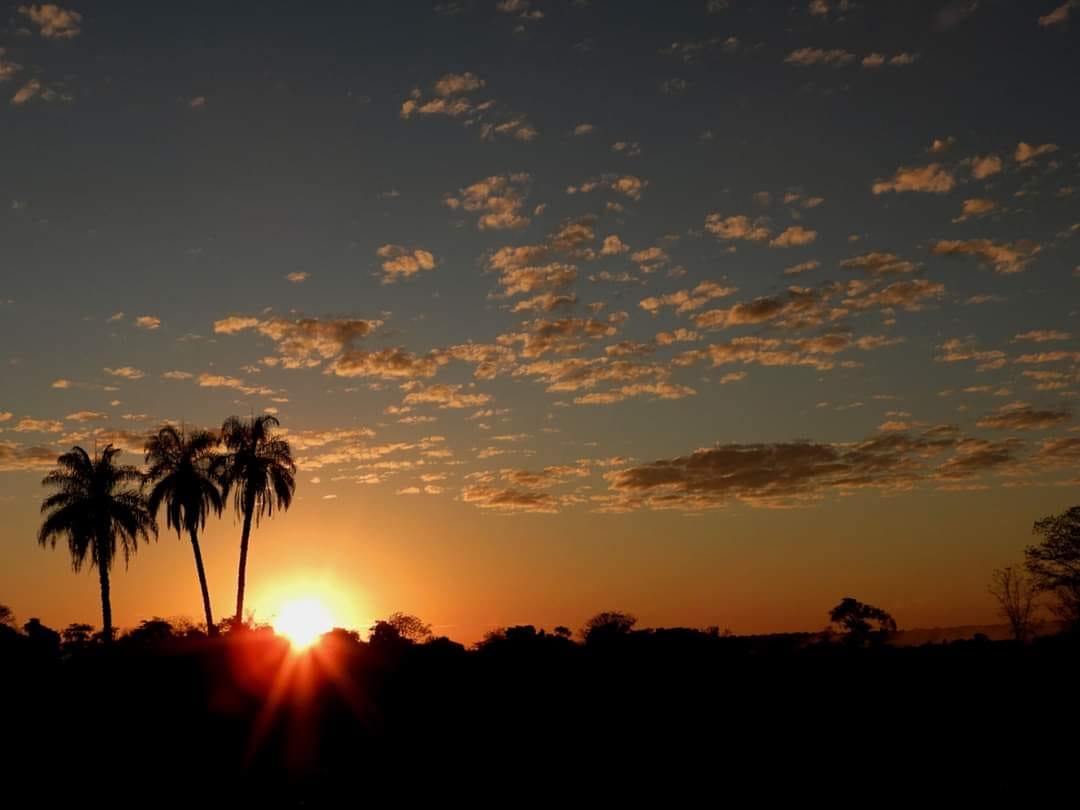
[[563, 269]]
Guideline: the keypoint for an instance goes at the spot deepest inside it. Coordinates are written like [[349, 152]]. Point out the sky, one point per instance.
[[715, 312]]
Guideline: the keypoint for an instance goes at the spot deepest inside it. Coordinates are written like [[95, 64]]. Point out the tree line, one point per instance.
[[101, 507], [1051, 569]]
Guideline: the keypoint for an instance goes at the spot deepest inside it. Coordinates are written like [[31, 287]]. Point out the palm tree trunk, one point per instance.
[[106, 604], [249, 509], [211, 629]]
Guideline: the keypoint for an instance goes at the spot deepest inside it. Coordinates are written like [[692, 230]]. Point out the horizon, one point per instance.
[[710, 312]]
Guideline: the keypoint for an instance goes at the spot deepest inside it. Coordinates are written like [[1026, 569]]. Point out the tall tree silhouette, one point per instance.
[[97, 509], [184, 474], [260, 473]]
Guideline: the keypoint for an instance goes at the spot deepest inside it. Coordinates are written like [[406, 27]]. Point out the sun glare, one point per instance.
[[302, 621]]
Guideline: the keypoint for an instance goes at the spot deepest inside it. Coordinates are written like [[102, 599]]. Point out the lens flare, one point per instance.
[[303, 621]]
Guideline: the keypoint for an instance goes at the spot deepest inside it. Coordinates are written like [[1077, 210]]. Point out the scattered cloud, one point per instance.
[[1043, 335], [816, 56], [301, 342], [402, 262], [794, 236], [147, 322], [125, 372], [1021, 416], [498, 200], [298, 277], [736, 227], [1005, 257], [1060, 15], [879, 264], [1025, 152], [933, 178], [52, 21], [976, 207]]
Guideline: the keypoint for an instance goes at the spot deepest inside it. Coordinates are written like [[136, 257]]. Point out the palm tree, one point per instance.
[[96, 509], [260, 472], [184, 473]]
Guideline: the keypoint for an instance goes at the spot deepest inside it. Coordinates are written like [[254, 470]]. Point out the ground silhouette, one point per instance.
[[168, 713]]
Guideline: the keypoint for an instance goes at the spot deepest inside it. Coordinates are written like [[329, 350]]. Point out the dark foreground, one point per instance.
[[673, 716]]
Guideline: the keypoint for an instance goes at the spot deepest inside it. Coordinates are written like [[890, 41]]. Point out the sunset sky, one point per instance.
[[715, 312]]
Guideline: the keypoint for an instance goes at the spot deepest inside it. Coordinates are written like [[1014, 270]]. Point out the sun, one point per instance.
[[303, 621]]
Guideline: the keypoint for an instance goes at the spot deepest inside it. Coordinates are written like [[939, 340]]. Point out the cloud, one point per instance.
[[509, 499], [1021, 416], [1041, 358], [302, 342], [941, 145], [627, 184], [875, 60], [445, 396], [660, 390], [802, 267], [497, 199], [402, 262], [298, 277], [52, 21], [7, 69], [545, 302], [1025, 152], [957, 350], [147, 322], [879, 264], [561, 336], [816, 56], [983, 167], [62, 384], [687, 300], [16, 457], [736, 227], [28, 91], [773, 475], [613, 246], [584, 129], [1060, 15], [451, 97], [177, 375], [733, 376], [207, 380], [197, 103], [125, 372], [794, 236], [453, 84], [31, 425], [387, 364], [86, 416], [1006, 257], [1042, 335], [976, 207], [933, 178], [799, 305]]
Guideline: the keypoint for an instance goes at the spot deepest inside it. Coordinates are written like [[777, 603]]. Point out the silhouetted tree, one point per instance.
[[260, 472], [608, 626], [862, 623], [1015, 595], [399, 627], [1054, 563], [562, 631], [7, 616], [95, 508], [43, 638], [77, 636], [184, 475], [150, 632]]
